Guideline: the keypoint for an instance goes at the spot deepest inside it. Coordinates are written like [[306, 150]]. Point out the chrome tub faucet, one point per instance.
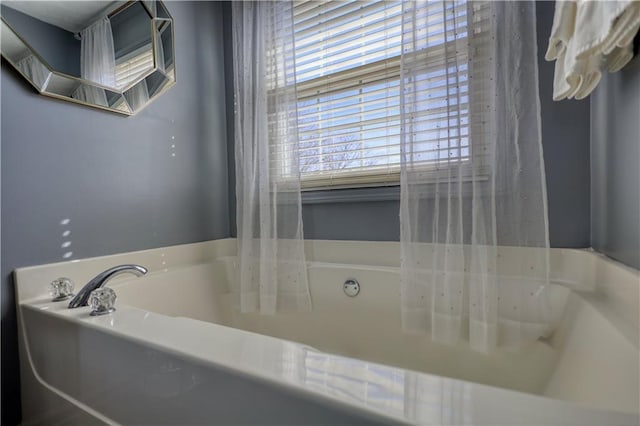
[[82, 298]]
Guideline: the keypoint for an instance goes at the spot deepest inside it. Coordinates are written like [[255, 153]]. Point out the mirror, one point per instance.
[[113, 55]]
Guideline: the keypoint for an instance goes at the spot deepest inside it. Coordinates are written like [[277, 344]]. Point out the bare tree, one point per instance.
[[331, 153]]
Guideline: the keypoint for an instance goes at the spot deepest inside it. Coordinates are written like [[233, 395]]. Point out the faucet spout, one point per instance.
[[82, 298]]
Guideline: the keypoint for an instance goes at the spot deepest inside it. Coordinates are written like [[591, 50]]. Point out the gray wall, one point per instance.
[[228, 69], [56, 46], [565, 137], [615, 165], [124, 183]]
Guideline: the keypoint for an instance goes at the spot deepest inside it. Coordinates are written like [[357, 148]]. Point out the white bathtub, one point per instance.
[[176, 352]]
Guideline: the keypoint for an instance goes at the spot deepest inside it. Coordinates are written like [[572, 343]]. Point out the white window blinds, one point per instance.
[[129, 68], [347, 58]]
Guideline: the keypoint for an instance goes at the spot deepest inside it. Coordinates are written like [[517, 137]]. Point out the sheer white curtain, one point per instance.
[[272, 271], [97, 54], [472, 178], [35, 70]]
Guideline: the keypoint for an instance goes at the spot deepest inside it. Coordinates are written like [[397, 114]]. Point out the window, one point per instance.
[[132, 65], [347, 57]]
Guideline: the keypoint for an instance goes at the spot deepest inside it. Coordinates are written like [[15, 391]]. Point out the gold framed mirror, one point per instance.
[[113, 55]]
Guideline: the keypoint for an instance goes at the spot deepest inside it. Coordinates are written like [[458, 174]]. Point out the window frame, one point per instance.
[[386, 176]]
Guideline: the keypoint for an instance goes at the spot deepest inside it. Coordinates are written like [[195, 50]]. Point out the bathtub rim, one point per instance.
[[613, 287], [29, 282]]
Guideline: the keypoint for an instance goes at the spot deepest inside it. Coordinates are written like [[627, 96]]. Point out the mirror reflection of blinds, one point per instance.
[[131, 66], [347, 57]]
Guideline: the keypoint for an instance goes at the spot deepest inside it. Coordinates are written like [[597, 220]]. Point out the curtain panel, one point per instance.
[[485, 195], [272, 273]]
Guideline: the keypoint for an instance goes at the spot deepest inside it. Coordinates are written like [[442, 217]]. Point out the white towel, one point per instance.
[[590, 77], [619, 58], [624, 28], [583, 33], [594, 23], [575, 77], [562, 30]]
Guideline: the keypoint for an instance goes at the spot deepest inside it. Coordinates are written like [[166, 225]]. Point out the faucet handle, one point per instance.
[[61, 289], [102, 301]]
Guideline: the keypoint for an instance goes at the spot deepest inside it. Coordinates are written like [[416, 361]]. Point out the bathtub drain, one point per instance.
[[351, 287]]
